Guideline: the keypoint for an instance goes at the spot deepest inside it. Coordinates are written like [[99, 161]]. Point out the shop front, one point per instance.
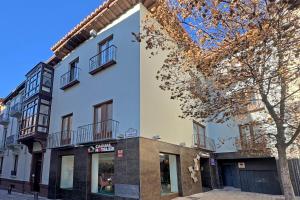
[[136, 168]]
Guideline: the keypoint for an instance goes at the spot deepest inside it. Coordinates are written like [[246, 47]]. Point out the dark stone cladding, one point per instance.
[[22, 186], [82, 170], [138, 168], [150, 169]]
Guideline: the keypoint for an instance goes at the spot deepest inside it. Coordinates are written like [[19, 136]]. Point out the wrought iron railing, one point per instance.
[[70, 77], [16, 110], [204, 142], [4, 118], [100, 131], [104, 58], [62, 138]]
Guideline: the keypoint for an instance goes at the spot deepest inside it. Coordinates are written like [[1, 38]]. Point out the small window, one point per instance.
[[168, 174], [106, 52], [66, 129], [67, 172], [199, 135], [74, 70], [103, 173]]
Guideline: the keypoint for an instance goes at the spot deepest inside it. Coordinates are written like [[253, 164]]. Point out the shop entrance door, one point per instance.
[[36, 171], [205, 174]]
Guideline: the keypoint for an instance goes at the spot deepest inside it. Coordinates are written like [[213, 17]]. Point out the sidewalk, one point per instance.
[[231, 194], [17, 196]]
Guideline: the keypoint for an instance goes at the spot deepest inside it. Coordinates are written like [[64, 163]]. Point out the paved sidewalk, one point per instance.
[[17, 196], [231, 194]]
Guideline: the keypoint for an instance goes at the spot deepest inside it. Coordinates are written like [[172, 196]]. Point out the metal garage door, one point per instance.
[[260, 181]]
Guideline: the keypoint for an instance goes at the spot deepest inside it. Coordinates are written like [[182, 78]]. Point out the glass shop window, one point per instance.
[[168, 174], [67, 171], [103, 173]]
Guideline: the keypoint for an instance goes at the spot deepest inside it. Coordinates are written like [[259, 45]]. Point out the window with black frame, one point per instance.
[[29, 118], [103, 173], [33, 84]]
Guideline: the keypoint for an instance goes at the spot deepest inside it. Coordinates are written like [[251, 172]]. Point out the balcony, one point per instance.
[[104, 59], [203, 142], [105, 130], [16, 110], [60, 139], [4, 118], [69, 79]]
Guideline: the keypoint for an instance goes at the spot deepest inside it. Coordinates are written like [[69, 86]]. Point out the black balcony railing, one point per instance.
[[100, 131], [104, 59], [16, 110], [62, 138], [4, 118], [70, 78], [201, 141]]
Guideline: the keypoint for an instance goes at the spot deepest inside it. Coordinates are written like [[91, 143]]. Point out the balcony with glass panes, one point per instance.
[[36, 105]]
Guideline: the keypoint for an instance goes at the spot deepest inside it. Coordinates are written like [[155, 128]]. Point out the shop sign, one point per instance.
[[120, 153], [241, 165], [203, 154], [101, 148]]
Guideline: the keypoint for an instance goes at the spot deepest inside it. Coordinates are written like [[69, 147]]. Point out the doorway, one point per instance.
[[205, 174], [230, 175], [36, 169]]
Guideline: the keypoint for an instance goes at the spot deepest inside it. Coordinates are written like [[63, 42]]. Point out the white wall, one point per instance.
[[159, 114], [24, 160], [119, 82]]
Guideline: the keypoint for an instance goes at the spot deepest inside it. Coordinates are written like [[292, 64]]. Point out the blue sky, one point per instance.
[[27, 31]]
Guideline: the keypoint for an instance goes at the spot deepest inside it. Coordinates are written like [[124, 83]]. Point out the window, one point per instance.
[[33, 84], [103, 173], [16, 160], [105, 50], [199, 135], [106, 56], [103, 121], [74, 70], [67, 172], [1, 164], [4, 136], [168, 174], [29, 118], [66, 129], [47, 80], [252, 137]]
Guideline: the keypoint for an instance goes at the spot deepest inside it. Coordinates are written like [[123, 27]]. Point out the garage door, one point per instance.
[[260, 181]]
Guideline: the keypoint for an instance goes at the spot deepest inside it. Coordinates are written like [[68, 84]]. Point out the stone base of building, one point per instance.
[[22, 186], [137, 170]]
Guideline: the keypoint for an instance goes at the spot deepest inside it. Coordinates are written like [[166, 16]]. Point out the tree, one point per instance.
[[229, 55]]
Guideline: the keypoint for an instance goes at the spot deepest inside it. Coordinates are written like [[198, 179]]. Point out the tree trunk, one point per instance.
[[285, 175]]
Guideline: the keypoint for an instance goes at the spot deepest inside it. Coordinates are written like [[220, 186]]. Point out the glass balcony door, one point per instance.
[[66, 130], [103, 121]]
